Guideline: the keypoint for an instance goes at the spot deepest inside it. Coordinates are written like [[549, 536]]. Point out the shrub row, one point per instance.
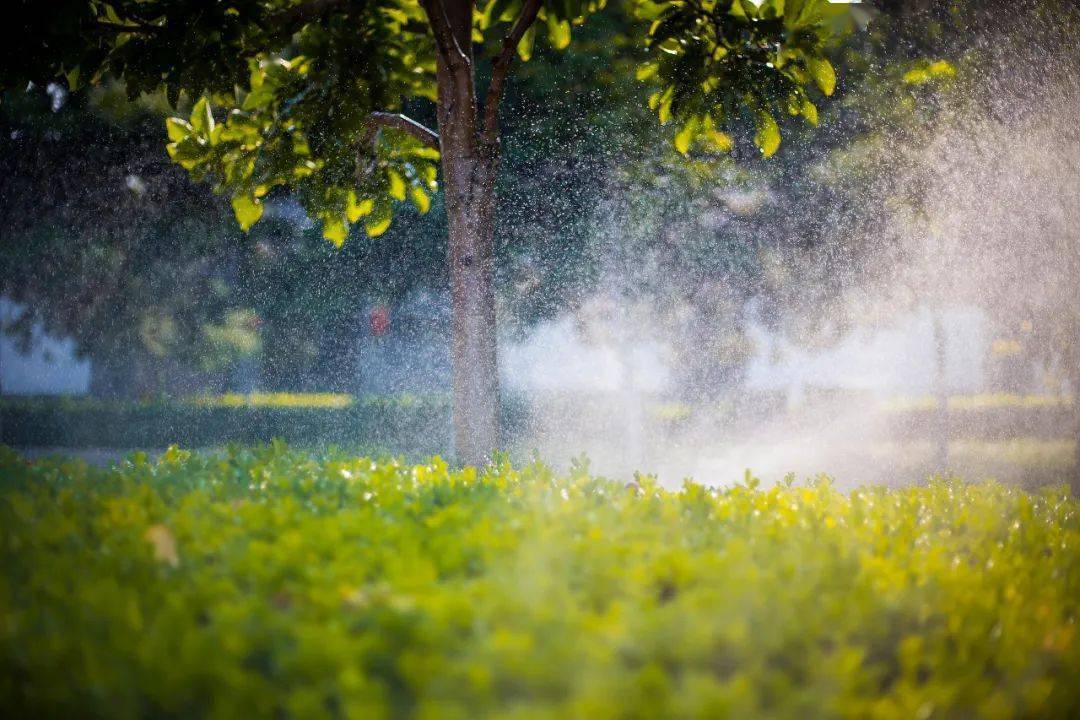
[[985, 422], [273, 583], [396, 424]]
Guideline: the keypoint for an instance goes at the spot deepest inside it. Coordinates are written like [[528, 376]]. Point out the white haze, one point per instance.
[[995, 227]]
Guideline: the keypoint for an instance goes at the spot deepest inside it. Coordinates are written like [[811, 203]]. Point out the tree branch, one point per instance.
[[445, 40], [406, 124], [121, 29], [501, 67]]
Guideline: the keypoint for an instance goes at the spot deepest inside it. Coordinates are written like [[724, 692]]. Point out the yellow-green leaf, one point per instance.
[[664, 107], [379, 220], [925, 72], [525, 47], [420, 198], [916, 76], [73, 78], [685, 137], [823, 73], [177, 128], [335, 230], [646, 70], [248, 209], [809, 111], [671, 46], [721, 141], [397, 184], [558, 32], [716, 140], [767, 137], [356, 208], [202, 119], [942, 68], [430, 174]]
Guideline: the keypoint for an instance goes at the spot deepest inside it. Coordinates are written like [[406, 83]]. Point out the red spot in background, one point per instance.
[[379, 320]]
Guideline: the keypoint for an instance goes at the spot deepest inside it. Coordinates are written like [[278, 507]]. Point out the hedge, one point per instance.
[[275, 583], [418, 425]]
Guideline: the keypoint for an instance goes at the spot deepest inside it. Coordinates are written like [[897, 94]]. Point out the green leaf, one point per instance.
[[663, 108], [924, 72], [501, 10], [647, 70], [823, 73], [188, 153], [379, 220], [719, 141], [525, 47], [685, 137], [335, 230], [202, 120], [73, 78], [356, 208], [558, 32], [809, 111], [767, 137], [430, 175], [397, 184], [420, 198], [239, 170], [942, 68], [248, 209], [716, 140], [178, 129], [671, 46]]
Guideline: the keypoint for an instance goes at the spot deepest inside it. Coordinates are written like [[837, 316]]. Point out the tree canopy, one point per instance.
[[308, 95]]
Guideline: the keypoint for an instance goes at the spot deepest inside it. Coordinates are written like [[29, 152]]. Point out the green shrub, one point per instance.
[[273, 583], [419, 425]]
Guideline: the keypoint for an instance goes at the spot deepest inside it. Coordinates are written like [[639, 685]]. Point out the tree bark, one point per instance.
[[1074, 472], [468, 181], [1074, 390], [941, 394]]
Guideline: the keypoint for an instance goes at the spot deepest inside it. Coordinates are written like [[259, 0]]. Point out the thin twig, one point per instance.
[[501, 67], [124, 28]]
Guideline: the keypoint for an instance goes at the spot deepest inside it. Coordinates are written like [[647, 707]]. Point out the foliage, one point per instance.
[[106, 242], [976, 402], [416, 425], [112, 245], [569, 118], [268, 582], [284, 93], [715, 58], [279, 399]]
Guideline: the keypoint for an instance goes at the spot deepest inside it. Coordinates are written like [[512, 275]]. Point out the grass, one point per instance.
[[267, 582]]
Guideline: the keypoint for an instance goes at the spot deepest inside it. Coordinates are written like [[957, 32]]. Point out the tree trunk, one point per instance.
[[1074, 391], [468, 180], [1074, 472], [941, 394], [474, 354]]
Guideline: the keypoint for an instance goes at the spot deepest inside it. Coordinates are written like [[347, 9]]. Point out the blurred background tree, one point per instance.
[[109, 243]]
